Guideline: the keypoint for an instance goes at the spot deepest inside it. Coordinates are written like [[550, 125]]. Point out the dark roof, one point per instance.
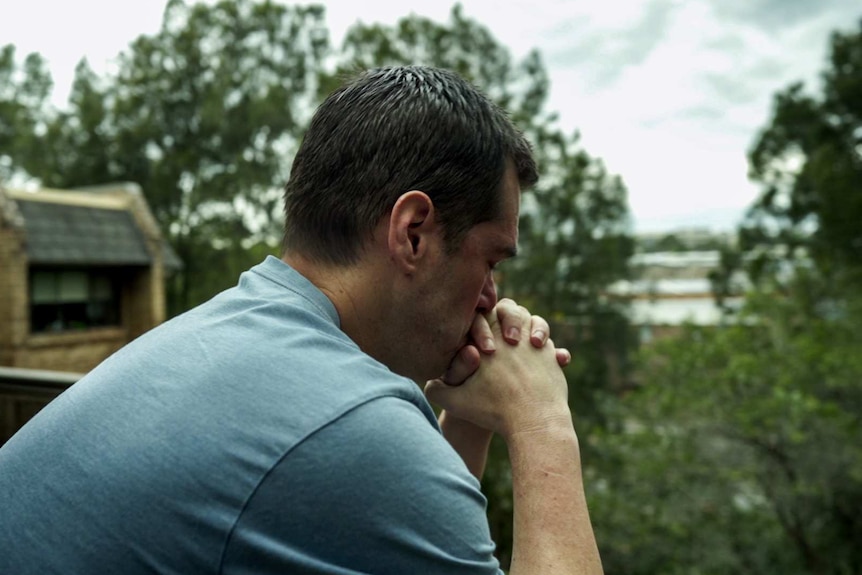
[[68, 234]]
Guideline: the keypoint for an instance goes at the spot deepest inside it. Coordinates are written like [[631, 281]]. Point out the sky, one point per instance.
[[670, 94]]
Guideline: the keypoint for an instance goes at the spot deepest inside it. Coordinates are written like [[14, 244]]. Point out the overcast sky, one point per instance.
[[669, 93]]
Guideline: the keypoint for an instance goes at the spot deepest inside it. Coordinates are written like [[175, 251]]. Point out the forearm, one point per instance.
[[470, 441], [552, 530]]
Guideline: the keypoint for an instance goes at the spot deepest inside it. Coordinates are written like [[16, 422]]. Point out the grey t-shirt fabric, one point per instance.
[[248, 435]]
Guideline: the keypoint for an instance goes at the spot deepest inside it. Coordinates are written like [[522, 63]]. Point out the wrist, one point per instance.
[[552, 423]]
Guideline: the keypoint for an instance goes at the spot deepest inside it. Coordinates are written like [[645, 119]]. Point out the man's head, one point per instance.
[[389, 131]]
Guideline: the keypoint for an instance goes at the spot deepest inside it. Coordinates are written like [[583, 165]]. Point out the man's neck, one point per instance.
[[357, 294]]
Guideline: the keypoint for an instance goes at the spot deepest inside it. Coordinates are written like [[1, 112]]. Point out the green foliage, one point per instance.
[[24, 90], [809, 160], [78, 148], [744, 452]]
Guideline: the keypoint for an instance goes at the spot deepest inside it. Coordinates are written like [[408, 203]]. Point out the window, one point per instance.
[[62, 300]]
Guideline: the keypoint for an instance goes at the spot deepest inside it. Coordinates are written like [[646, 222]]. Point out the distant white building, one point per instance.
[[673, 289]]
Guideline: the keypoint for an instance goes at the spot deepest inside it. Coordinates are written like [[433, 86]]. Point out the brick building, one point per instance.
[[82, 273]]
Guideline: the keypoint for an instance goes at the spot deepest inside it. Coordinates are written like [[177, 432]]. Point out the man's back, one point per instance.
[[249, 435]]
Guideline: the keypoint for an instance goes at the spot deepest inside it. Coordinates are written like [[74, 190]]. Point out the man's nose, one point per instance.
[[488, 297]]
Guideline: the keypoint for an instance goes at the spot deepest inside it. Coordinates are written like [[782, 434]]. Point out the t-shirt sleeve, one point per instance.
[[378, 490]]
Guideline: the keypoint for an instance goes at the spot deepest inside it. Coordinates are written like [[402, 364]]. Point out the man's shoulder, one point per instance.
[[376, 486]]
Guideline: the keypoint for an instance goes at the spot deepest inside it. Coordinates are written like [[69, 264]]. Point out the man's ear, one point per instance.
[[412, 226]]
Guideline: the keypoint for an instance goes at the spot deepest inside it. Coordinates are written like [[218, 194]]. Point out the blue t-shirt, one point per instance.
[[249, 435]]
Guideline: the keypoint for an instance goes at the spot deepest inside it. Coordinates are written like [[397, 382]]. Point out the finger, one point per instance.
[[513, 320], [464, 365], [481, 334], [564, 358], [539, 331]]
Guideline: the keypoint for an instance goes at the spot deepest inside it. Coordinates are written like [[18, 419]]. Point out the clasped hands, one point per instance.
[[500, 383]]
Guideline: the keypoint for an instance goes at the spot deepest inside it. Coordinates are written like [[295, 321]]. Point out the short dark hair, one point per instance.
[[389, 131]]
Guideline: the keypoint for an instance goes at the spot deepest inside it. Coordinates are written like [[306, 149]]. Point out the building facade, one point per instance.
[[82, 273], [672, 289]]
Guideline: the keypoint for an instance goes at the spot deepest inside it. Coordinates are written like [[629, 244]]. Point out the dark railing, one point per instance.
[[23, 392]]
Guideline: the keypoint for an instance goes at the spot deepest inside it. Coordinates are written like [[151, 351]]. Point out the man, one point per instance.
[[274, 429]]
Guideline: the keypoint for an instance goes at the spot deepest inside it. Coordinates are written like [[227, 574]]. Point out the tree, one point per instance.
[[78, 147], [24, 93], [203, 115], [809, 161]]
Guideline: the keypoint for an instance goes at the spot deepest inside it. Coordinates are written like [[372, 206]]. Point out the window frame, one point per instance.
[[67, 304]]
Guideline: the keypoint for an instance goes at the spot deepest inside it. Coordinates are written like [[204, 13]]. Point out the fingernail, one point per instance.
[[488, 344], [539, 335], [513, 333]]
